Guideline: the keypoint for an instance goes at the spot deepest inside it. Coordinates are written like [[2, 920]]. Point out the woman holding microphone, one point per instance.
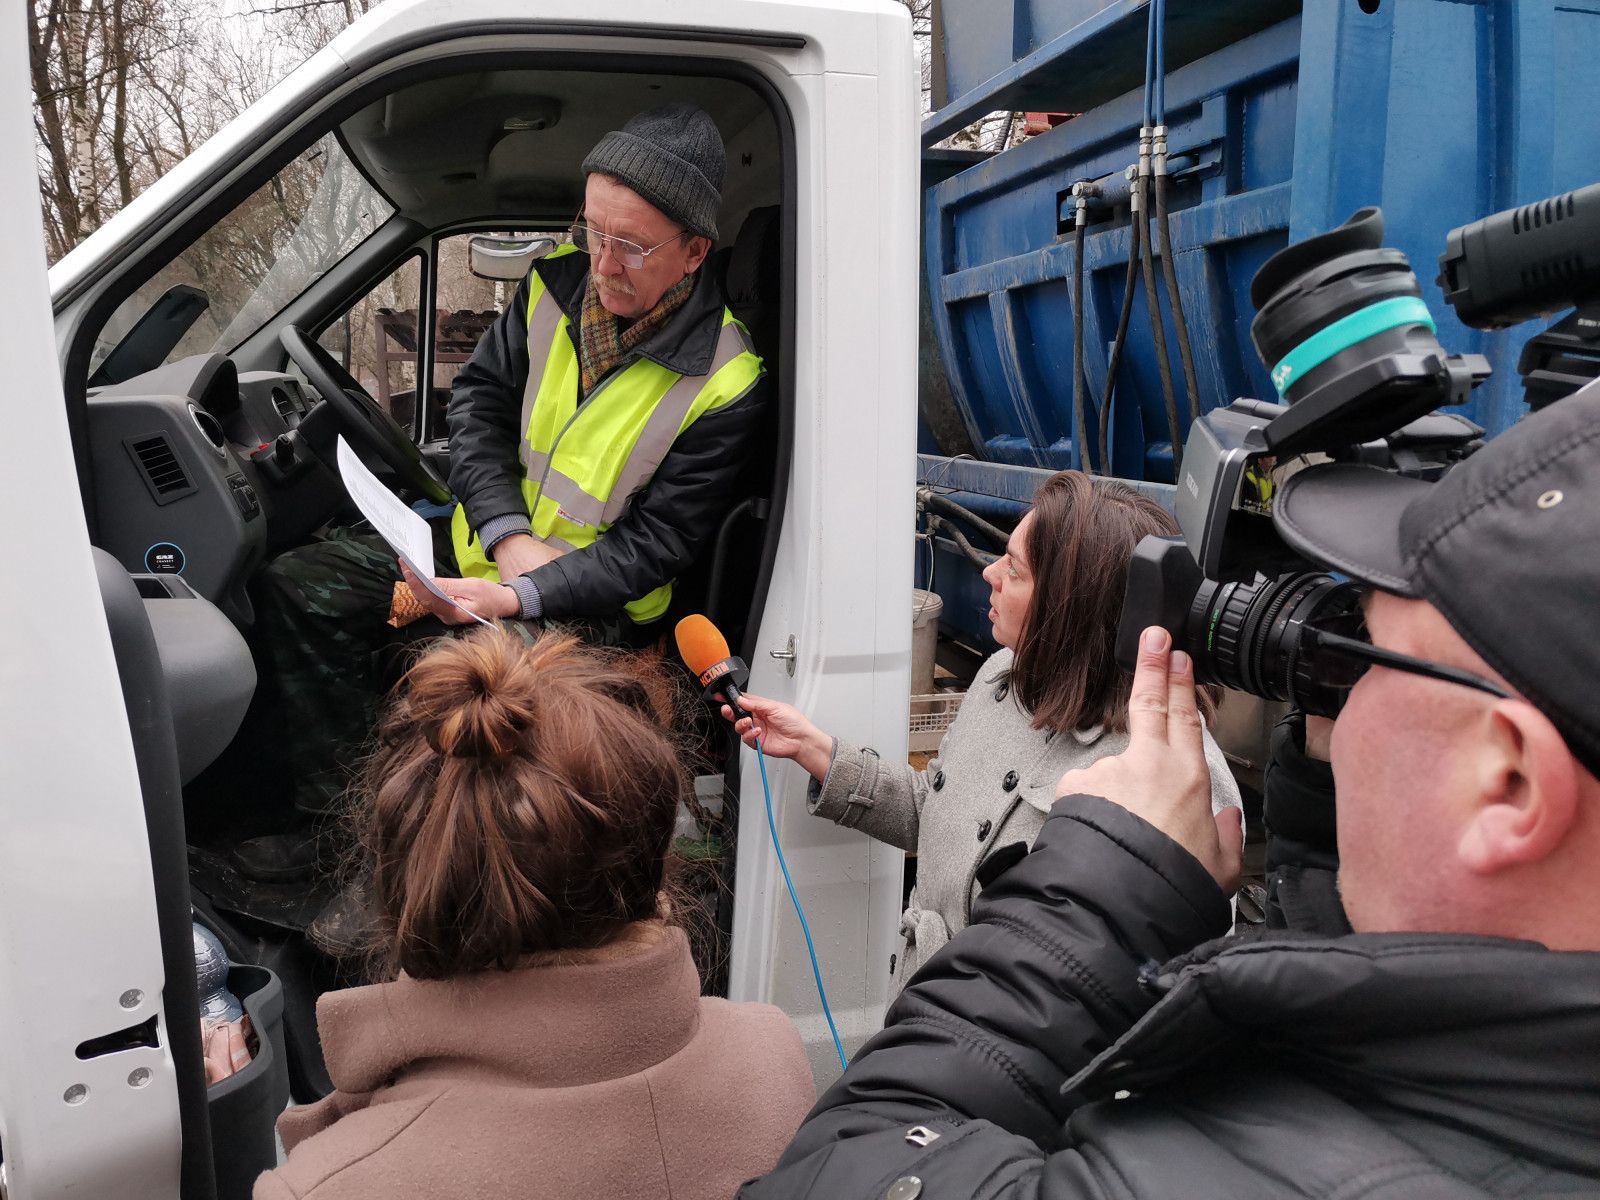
[[1051, 701]]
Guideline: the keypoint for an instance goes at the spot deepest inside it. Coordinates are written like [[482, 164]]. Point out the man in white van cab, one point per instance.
[[596, 435]]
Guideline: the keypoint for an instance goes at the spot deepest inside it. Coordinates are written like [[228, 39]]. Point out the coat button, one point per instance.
[[938, 781], [907, 1187], [1010, 781], [983, 829], [1001, 692]]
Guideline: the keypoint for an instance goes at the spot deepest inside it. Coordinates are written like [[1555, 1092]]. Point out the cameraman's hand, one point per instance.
[[1162, 776]]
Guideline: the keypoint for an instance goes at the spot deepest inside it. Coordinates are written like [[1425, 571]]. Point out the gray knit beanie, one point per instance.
[[673, 157]]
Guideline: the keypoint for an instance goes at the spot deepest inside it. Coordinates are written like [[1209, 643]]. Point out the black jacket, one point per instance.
[[1302, 837], [1054, 1059], [672, 521]]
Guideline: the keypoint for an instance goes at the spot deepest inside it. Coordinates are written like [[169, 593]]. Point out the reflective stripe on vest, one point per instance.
[[583, 463]]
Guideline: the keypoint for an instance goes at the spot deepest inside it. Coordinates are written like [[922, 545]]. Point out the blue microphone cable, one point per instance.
[[766, 789]]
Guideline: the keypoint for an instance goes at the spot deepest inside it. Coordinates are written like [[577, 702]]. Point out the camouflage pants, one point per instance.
[[322, 628]]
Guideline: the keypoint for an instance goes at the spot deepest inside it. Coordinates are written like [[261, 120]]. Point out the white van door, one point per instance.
[[83, 1112]]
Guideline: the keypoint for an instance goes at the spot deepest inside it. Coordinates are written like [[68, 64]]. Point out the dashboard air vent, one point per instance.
[[163, 470], [284, 406]]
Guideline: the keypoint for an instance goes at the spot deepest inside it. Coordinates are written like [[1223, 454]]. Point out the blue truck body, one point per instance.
[[1294, 116]]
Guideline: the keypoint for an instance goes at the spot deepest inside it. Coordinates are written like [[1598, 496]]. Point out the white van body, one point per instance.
[[79, 955]]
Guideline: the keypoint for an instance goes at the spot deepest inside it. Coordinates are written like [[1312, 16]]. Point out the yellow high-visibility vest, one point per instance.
[[582, 464]]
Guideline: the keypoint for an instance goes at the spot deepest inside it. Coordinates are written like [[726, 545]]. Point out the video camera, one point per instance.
[[1341, 325]]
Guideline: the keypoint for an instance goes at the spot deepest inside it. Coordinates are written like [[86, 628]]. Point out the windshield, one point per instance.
[[285, 236]]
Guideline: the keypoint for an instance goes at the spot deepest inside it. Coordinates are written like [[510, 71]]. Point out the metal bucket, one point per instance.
[[925, 610]]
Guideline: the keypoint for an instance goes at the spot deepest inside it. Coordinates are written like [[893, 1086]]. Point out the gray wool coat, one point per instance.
[[992, 784]]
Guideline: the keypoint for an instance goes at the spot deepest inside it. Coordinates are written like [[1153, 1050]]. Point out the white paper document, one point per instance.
[[406, 532]]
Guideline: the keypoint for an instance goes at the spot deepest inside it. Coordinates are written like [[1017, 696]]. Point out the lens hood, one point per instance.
[[1363, 231]]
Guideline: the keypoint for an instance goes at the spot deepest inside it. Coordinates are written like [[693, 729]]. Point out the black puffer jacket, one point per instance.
[[671, 523], [1026, 1059], [1302, 837]]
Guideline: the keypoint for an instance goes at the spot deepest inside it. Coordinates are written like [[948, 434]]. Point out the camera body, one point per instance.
[[1360, 375]]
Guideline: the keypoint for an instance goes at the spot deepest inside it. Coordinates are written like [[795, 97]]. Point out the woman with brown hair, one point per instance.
[[1051, 701], [544, 1034]]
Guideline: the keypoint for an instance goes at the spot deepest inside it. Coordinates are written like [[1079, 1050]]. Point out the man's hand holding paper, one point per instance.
[[412, 541], [459, 601]]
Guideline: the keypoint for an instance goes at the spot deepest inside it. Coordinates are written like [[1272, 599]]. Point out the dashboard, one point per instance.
[[202, 472]]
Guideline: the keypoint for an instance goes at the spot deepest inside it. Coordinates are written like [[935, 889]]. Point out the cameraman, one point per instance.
[[1079, 1040]]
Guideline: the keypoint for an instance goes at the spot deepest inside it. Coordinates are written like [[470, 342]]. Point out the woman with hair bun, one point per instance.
[[1051, 701], [544, 1033]]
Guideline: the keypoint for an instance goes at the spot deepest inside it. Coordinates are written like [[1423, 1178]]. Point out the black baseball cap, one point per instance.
[[1506, 545]]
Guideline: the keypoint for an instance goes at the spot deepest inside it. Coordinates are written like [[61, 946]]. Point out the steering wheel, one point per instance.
[[367, 426]]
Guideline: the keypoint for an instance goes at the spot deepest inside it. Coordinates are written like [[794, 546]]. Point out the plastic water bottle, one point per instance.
[[217, 1003]]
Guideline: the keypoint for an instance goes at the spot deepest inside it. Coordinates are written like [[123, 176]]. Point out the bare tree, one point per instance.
[[922, 30], [125, 89], [89, 61]]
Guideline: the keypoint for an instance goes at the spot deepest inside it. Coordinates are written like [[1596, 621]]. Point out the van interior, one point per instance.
[[336, 289]]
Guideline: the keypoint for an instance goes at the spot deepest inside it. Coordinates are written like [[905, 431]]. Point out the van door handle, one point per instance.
[[786, 656]]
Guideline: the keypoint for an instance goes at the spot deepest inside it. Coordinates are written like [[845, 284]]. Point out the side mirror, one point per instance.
[[507, 258]]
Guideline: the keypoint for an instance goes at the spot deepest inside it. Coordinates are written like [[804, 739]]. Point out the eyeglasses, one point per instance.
[[1340, 661], [629, 254]]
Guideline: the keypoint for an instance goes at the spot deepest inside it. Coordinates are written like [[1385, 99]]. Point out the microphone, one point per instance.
[[705, 651]]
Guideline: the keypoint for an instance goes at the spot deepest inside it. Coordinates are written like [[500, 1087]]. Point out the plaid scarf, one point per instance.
[[602, 344]]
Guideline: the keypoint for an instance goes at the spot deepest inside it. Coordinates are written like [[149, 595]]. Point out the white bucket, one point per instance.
[[925, 610]]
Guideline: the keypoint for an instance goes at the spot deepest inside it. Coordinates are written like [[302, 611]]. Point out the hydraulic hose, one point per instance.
[[1161, 167], [1158, 17], [1155, 53], [1121, 338], [947, 506], [1157, 328], [1153, 146], [1150, 52], [975, 556], [1170, 270], [1079, 422]]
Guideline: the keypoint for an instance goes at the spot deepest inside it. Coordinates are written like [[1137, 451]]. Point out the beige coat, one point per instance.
[[992, 784], [609, 1077]]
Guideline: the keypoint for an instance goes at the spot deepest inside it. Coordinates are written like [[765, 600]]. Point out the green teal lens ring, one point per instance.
[[1346, 332]]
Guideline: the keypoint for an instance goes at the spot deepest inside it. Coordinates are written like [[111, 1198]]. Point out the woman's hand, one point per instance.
[[475, 595], [1162, 776], [784, 733]]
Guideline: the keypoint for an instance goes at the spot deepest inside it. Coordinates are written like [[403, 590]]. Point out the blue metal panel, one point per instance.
[[1015, 485], [981, 33], [1574, 96], [1069, 55], [1440, 111]]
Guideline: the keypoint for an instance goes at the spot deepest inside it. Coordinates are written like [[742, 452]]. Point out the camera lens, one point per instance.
[[1248, 636]]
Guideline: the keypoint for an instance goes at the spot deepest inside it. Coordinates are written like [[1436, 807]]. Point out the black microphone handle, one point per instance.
[[731, 696]]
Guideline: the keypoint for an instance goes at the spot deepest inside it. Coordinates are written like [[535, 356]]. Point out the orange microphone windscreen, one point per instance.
[[701, 643]]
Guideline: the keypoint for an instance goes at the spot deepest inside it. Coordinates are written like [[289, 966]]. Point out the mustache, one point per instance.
[[613, 285]]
